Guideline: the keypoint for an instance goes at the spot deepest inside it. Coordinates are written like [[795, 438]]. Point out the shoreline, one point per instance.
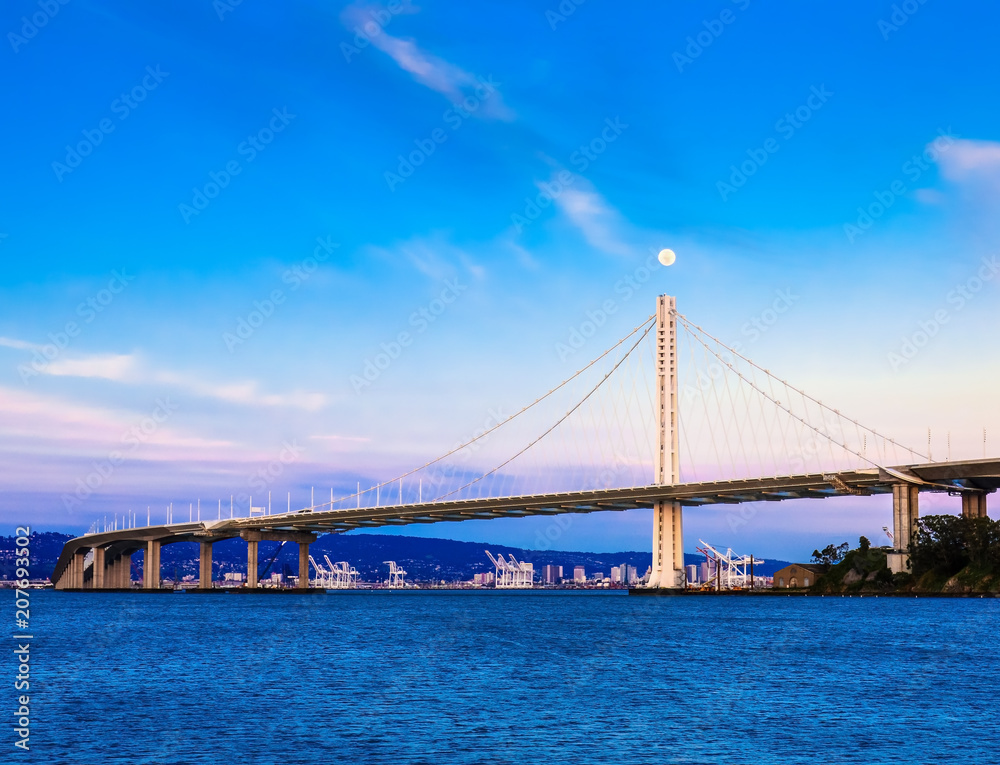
[[806, 593]]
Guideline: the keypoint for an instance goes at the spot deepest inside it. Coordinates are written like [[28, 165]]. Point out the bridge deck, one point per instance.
[[981, 475]]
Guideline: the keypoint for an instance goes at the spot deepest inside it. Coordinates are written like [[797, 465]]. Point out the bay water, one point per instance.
[[511, 677]]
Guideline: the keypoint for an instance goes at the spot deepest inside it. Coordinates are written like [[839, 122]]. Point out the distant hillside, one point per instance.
[[45, 548], [425, 559]]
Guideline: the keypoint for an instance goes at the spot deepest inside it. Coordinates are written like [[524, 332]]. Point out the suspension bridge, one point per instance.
[[608, 438]]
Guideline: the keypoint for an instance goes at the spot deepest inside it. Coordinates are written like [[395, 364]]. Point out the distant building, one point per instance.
[[620, 574], [692, 574], [233, 577], [484, 580], [797, 575], [551, 574], [579, 575], [633, 575]]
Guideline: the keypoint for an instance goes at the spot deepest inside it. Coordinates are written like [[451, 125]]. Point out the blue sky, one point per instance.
[[171, 170]]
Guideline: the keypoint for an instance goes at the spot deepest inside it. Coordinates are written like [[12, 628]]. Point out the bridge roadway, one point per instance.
[[973, 479]]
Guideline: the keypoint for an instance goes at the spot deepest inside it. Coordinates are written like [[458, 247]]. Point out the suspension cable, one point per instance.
[[471, 441], [819, 403], [561, 419]]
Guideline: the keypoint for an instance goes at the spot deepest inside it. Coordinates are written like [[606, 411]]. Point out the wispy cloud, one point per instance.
[[602, 225], [974, 165], [120, 368], [35, 417], [431, 71], [21, 345], [132, 369], [435, 257], [523, 257]]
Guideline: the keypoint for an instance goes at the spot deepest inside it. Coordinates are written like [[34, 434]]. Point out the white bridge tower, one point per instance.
[[668, 539]]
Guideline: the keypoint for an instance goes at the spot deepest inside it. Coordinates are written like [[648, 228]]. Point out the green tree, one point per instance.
[[864, 545], [948, 543], [830, 555]]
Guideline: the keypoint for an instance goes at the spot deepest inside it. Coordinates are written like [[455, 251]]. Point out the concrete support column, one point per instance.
[[905, 511], [252, 563], [125, 571], [668, 549], [111, 575], [205, 566], [76, 566], [974, 504], [151, 566], [904, 515], [97, 582], [303, 566]]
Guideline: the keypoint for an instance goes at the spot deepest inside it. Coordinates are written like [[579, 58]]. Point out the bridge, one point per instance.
[[728, 407]]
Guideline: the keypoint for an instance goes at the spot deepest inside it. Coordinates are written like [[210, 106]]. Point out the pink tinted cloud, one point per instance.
[[974, 165]]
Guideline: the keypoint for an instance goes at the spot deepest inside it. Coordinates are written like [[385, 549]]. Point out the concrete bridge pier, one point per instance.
[[205, 566], [974, 504], [72, 578], [252, 562], [303, 566], [905, 511], [151, 566], [77, 566], [120, 572], [668, 546], [112, 574], [253, 538], [125, 570], [97, 578]]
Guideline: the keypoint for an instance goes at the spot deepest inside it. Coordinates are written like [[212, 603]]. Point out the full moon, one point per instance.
[[667, 257]]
